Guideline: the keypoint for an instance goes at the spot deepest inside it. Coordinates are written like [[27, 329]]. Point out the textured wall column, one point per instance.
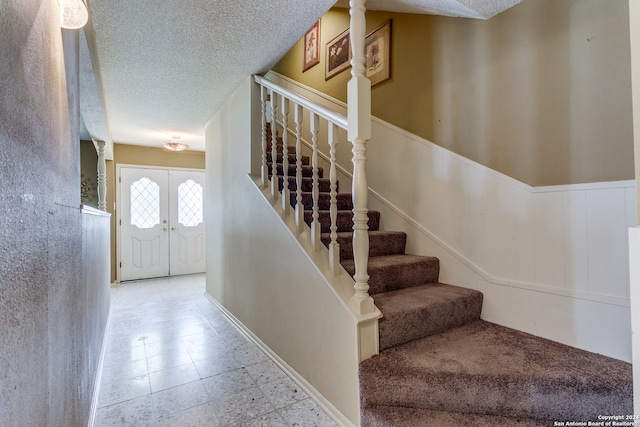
[[51, 323]]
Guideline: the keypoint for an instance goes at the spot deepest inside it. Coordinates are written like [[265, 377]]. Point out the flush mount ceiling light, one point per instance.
[[175, 145], [73, 14]]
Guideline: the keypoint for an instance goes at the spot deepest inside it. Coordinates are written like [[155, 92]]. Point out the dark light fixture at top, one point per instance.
[[175, 145]]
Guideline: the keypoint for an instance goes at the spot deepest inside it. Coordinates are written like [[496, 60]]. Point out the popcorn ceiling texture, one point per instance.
[[479, 9], [165, 68]]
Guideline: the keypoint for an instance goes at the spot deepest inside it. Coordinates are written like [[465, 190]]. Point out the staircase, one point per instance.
[[439, 363]]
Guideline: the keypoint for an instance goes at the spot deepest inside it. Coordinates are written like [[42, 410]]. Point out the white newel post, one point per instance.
[[102, 177], [359, 132]]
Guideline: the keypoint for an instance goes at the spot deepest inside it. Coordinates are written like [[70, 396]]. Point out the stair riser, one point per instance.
[[344, 220], [305, 160], [379, 244], [279, 147], [343, 201], [507, 397], [422, 321], [307, 171], [324, 184], [399, 276]]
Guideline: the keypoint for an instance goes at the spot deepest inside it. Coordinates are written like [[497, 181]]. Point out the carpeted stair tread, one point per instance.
[[324, 184], [343, 200], [344, 220], [291, 149], [391, 272], [393, 416], [420, 311], [307, 171], [380, 243], [489, 369], [305, 160]]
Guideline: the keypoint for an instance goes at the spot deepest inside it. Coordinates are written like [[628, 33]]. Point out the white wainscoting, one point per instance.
[[634, 257], [551, 261]]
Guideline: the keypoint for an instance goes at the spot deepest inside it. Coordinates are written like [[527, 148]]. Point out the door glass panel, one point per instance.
[[190, 202], [145, 203]]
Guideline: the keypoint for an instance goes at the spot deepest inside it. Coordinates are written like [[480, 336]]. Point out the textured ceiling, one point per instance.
[[479, 9], [164, 67]]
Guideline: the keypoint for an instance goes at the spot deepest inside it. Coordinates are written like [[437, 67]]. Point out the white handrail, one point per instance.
[[321, 111]]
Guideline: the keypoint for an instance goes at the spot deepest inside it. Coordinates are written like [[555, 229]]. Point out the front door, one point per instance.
[[186, 218], [161, 223]]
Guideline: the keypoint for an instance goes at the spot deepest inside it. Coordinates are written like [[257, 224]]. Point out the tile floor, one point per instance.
[[173, 359]]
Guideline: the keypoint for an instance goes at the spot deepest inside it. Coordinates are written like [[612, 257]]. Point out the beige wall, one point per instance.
[[257, 271], [540, 92], [144, 156]]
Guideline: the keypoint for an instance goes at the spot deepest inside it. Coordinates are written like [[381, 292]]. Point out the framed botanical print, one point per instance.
[[311, 47], [338, 54], [377, 47]]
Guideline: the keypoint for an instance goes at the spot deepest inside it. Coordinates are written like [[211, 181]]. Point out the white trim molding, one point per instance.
[[314, 394]]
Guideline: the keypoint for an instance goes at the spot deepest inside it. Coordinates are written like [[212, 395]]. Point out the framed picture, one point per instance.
[[311, 47], [338, 55], [377, 47]]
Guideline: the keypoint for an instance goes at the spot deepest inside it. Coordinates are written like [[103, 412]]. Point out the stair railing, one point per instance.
[[276, 104]]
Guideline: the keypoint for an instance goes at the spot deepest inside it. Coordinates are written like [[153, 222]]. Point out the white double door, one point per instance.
[[162, 231]]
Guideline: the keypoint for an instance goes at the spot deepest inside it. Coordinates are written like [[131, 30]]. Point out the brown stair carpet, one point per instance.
[[385, 416], [423, 310], [487, 369], [380, 243], [439, 364]]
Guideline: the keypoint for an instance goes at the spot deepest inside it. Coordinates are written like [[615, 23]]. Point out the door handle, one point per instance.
[[164, 228], [173, 229]]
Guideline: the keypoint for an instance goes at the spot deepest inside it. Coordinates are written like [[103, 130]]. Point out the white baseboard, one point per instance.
[[96, 388], [314, 394]]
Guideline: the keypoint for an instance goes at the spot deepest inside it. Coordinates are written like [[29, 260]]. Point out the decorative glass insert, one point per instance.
[[190, 212], [145, 203]]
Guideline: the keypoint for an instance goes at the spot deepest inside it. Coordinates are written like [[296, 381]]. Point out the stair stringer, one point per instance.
[[341, 285]]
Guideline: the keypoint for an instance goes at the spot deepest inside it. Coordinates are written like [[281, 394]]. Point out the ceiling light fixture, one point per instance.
[[73, 14], [175, 145]]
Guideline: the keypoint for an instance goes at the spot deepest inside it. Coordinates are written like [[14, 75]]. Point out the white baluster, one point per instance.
[[334, 247], [359, 132], [265, 169], [286, 199], [274, 147], [102, 177], [315, 224], [299, 205]]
